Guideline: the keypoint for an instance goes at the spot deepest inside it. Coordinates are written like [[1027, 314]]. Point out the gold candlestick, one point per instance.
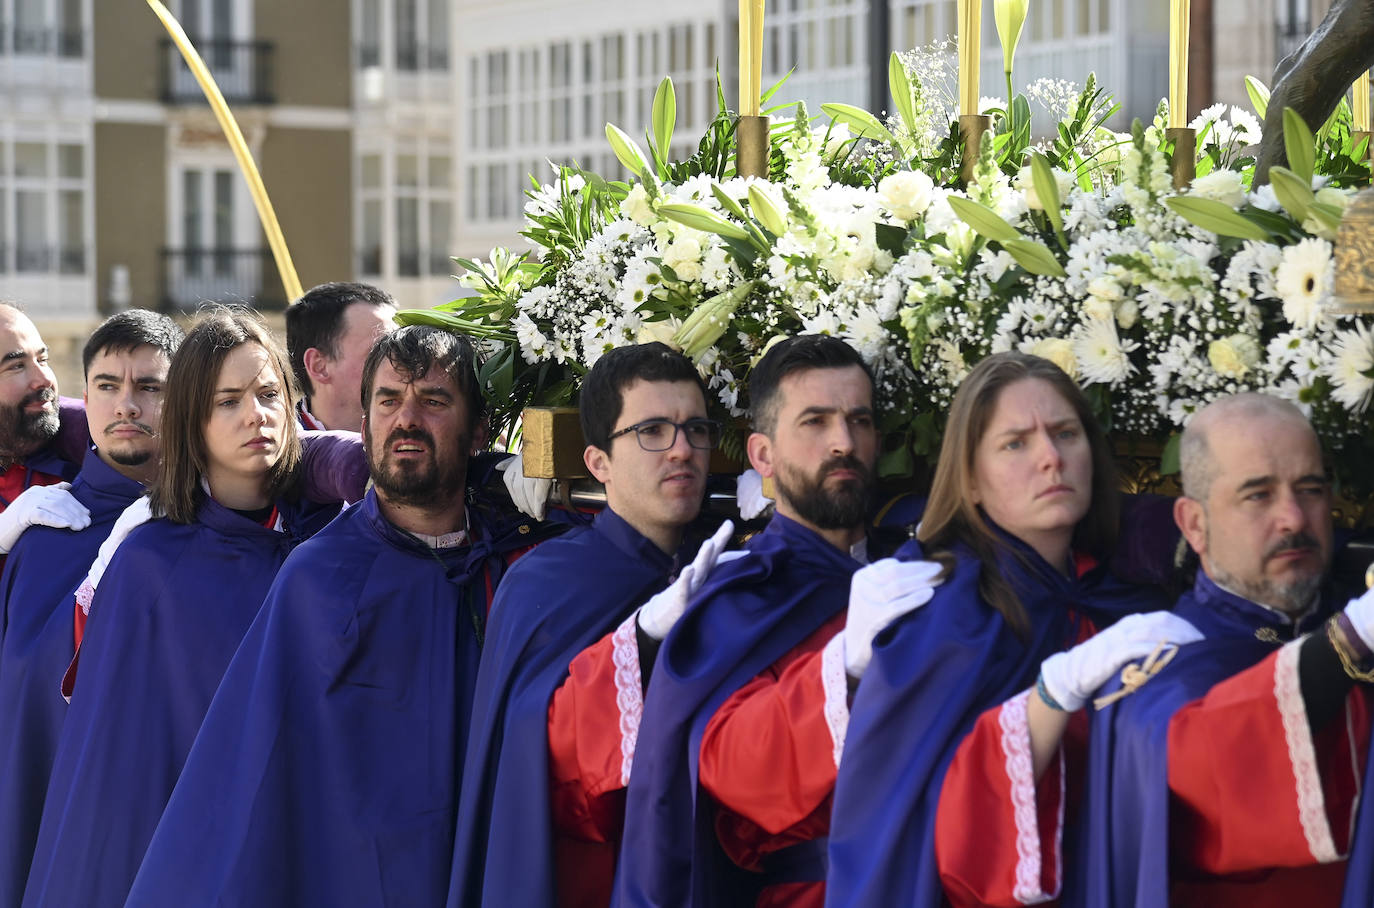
[[751, 147], [970, 55], [1183, 161], [971, 129], [1179, 16]]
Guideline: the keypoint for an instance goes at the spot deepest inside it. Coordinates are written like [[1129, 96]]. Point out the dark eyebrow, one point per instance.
[[1257, 482], [825, 411], [13, 354], [437, 391], [105, 376], [149, 380]]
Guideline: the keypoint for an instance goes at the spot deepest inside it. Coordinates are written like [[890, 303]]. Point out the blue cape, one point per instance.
[[933, 673], [1124, 854], [329, 759], [167, 617], [1359, 871], [750, 613], [39, 584], [554, 603]]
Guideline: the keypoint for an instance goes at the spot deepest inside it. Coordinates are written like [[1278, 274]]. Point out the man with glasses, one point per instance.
[[568, 654]]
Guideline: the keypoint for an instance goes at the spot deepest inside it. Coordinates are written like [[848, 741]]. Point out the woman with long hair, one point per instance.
[[1023, 514], [176, 600]]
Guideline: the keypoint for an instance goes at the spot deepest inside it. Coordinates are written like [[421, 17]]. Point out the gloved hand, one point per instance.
[[1072, 677], [879, 594], [530, 495], [1361, 614], [49, 506], [661, 612], [136, 514], [749, 494]]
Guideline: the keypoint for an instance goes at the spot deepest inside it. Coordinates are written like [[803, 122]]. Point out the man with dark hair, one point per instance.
[[735, 758], [329, 331], [125, 363], [568, 657], [328, 759]]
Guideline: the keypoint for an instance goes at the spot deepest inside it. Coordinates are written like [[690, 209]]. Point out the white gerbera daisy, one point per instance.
[[1351, 368], [1102, 356], [1302, 281]]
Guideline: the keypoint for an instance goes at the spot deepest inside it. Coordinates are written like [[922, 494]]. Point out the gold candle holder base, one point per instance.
[[971, 129], [553, 443], [751, 147], [1183, 162]]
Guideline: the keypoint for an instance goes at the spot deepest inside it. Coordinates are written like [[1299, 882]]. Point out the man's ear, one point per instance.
[[317, 366], [481, 435], [1191, 518], [759, 447], [598, 463]]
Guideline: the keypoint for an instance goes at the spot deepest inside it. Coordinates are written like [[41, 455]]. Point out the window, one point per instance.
[[421, 33], [43, 196], [412, 185]]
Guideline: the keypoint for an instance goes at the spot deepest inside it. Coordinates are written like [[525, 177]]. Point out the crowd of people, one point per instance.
[[275, 632]]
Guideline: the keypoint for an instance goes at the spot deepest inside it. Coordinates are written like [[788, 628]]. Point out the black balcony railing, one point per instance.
[[191, 277], [242, 69]]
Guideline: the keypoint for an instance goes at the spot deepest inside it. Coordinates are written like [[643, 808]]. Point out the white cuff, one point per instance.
[[836, 684], [1316, 827], [629, 691], [1020, 768]]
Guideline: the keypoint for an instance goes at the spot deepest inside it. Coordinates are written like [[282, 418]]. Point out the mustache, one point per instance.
[[48, 395], [1293, 541], [142, 427], [843, 462], [412, 434]]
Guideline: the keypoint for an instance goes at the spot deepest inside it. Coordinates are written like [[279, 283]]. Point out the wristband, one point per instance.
[[1044, 694]]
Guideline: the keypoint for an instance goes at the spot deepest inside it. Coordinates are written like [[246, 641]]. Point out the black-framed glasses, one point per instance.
[[656, 435]]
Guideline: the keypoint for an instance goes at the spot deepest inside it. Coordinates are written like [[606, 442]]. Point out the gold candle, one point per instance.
[[1179, 15], [1359, 102], [970, 54], [750, 56]]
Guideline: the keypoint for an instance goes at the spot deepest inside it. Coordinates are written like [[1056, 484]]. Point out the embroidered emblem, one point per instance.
[[1267, 635]]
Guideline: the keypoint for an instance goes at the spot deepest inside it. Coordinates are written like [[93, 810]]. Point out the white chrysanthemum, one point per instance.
[[534, 345], [1220, 185], [1103, 358], [1302, 281], [1351, 368]]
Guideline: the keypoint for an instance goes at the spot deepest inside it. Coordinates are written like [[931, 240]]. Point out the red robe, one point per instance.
[[998, 834]]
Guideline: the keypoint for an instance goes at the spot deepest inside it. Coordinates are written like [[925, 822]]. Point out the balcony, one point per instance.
[[191, 277], [242, 69]]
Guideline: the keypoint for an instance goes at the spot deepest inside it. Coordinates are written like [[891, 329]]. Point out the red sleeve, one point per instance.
[[1257, 719], [998, 834], [593, 726], [769, 752]]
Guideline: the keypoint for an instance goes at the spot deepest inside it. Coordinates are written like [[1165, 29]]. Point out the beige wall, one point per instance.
[[308, 173], [131, 206], [312, 57], [127, 52]]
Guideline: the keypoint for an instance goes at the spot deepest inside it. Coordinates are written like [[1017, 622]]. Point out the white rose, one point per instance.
[[1234, 356], [1127, 311], [1221, 186], [1058, 351], [1098, 309], [907, 194], [636, 206]]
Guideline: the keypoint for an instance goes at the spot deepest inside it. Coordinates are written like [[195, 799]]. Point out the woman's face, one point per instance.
[[1033, 467], [244, 434]]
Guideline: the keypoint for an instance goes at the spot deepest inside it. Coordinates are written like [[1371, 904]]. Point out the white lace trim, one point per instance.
[[836, 685], [1297, 732], [629, 692], [84, 594], [1020, 770]]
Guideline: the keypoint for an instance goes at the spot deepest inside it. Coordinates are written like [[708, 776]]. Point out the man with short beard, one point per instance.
[[729, 801], [330, 758]]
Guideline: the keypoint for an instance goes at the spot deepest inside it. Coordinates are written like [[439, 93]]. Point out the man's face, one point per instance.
[[417, 436], [656, 492], [1265, 529], [363, 323], [124, 403], [28, 390], [822, 453]]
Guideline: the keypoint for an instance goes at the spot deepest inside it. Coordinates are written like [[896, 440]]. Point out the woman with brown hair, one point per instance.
[[174, 603], [1023, 513]]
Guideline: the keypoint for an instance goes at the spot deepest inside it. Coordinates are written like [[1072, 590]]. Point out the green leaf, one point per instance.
[[862, 123], [1299, 144], [627, 151], [766, 210], [891, 239], [1035, 257], [728, 203], [664, 117], [1293, 192], [699, 218], [1168, 460], [1327, 214], [1218, 217], [899, 84], [1259, 95], [984, 220], [1047, 190]]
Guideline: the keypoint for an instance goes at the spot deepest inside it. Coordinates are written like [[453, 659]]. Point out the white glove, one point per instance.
[[1073, 676], [879, 594], [749, 494], [49, 506], [135, 515], [660, 613], [530, 495], [1361, 614]]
